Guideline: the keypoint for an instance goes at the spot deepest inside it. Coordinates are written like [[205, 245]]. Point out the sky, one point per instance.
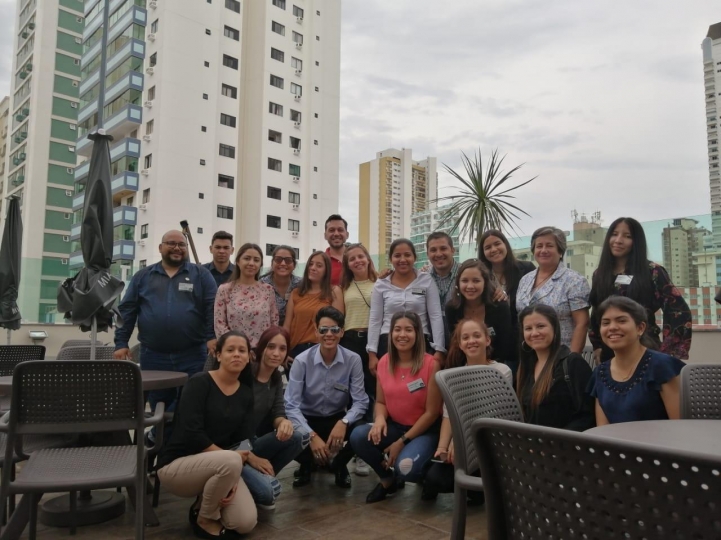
[[602, 101]]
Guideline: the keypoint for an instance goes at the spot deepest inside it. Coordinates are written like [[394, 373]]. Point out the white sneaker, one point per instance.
[[361, 468]]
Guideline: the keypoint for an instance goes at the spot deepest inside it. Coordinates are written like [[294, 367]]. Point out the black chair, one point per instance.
[[80, 343], [62, 397], [102, 352], [543, 482], [12, 355], [701, 391], [469, 393]]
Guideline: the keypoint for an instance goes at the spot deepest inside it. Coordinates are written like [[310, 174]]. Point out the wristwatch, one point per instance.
[[345, 421], [405, 439]]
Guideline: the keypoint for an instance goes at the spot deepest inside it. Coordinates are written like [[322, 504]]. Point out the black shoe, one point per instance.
[[303, 477], [313, 468], [379, 492], [194, 511], [342, 477], [476, 498], [429, 494], [227, 534]]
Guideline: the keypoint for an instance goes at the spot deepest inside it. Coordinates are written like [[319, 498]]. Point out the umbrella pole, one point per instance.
[[93, 336], [8, 336]]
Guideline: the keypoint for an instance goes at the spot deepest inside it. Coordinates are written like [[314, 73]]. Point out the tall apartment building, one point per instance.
[[423, 223], [4, 128], [711, 47], [681, 239], [391, 188], [41, 145]]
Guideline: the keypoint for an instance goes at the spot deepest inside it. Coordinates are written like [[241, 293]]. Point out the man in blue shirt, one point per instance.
[[221, 247], [172, 302], [321, 383]]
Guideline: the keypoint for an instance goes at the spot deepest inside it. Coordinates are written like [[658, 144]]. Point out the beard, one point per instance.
[[173, 262]]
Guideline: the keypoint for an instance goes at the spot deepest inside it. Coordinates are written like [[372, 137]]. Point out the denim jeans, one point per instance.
[[263, 487], [412, 459]]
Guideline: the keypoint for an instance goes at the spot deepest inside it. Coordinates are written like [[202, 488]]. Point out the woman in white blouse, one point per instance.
[[405, 289]]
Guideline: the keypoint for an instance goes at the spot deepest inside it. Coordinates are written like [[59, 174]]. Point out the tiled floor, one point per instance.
[[320, 510]]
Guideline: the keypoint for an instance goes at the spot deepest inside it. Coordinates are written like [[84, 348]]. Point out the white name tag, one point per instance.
[[416, 385], [623, 279], [341, 387], [185, 287], [420, 292]]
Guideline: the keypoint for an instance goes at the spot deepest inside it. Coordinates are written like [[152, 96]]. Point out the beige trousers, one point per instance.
[[213, 474]]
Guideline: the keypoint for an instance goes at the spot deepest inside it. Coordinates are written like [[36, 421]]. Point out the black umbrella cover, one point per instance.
[[93, 291], [10, 266]]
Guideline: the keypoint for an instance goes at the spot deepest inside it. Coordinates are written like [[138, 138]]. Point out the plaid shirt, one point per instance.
[[445, 283]]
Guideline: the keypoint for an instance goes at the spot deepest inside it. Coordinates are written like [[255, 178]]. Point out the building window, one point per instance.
[[297, 12], [231, 33], [149, 126], [293, 225], [203, 129], [296, 63], [274, 108], [279, 3], [229, 61], [273, 221], [315, 195], [229, 91], [154, 26], [201, 195], [205, 96], [142, 264], [317, 38], [207, 31], [202, 162], [144, 231], [275, 164], [146, 196], [276, 81], [233, 5], [153, 59], [226, 181], [293, 170], [315, 224], [148, 161], [275, 136], [273, 193], [200, 230], [293, 197], [227, 120], [206, 63], [276, 54], [278, 28], [315, 169], [295, 143], [227, 150], [269, 249], [316, 89], [296, 89], [297, 38], [151, 93], [315, 142], [225, 212], [295, 115]]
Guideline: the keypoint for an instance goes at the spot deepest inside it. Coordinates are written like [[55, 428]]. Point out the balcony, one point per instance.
[[119, 125], [122, 185], [123, 250], [122, 215], [126, 147]]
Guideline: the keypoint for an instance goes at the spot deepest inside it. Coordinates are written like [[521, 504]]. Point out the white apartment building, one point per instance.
[[4, 128], [711, 47]]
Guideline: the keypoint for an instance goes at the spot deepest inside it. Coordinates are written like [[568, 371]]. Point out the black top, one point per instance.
[[562, 409], [522, 268], [498, 321], [218, 276], [268, 403], [206, 416]]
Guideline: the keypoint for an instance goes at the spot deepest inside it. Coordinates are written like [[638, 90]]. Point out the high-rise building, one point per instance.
[[711, 47], [681, 239], [41, 145], [4, 128], [391, 188], [441, 218]]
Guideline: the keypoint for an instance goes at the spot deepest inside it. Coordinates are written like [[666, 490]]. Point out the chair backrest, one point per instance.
[[543, 482], [473, 392], [587, 354], [701, 391], [12, 355], [83, 353], [80, 343]]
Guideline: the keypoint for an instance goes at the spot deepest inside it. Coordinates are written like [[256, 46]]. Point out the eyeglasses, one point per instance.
[[179, 245], [281, 260], [323, 330]]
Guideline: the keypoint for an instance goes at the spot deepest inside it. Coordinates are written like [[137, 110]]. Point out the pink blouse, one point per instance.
[[250, 309], [405, 396]]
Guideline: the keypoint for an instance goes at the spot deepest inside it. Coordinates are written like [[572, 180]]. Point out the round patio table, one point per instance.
[[697, 436]]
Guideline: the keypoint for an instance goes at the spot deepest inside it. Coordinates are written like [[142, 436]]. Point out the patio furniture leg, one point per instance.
[[18, 521], [73, 511], [156, 491], [34, 500], [458, 530], [11, 501]]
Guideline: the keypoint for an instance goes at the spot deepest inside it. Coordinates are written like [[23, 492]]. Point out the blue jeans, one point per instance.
[[412, 459], [263, 487]]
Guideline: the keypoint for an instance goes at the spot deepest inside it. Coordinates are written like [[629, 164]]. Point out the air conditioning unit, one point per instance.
[[297, 98], [295, 234], [149, 103], [70, 170], [298, 72], [296, 124], [68, 193], [153, 4], [147, 138], [296, 206], [141, 242], [296, 151], [143, 206], [151, 37], [72, 127], [66, 238], [75, 84], [299, 19], [296, 179], [150, 70], [71, 149], [73, 105], [79, 41], [299, 46], [145, 172]]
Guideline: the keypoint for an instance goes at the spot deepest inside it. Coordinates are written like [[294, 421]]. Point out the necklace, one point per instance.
[[631, 371], [538, 285]]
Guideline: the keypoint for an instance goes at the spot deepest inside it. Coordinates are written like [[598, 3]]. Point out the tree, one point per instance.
[[484, 202]]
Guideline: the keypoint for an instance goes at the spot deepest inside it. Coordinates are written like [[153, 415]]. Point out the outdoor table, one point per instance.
[[697, 436], [101, 505]]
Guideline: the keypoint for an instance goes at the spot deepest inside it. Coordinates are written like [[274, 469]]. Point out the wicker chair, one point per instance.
[[587, 354], [543, 482], [469, 393], [61, 397], [701, 391], [83, 353]]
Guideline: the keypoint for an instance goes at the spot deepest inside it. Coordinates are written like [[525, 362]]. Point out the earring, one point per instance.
[[529, 349]]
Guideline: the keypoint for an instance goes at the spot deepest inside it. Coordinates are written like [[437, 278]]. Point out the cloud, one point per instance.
[[7, 18]]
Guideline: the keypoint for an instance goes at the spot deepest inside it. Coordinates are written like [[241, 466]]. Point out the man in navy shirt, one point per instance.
[[221, 247], [172, 302]]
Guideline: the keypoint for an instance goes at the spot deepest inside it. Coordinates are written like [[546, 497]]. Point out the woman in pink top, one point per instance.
[[404, 434], [243, 303]]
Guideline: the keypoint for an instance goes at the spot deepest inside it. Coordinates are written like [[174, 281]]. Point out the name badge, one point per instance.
[[491, 331], [340, 386], [623, 279], [416, 385], [185, 287], [419, 292]]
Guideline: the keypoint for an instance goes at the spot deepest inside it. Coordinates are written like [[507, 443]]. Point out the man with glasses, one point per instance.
[[321, 384], [221, 247], [172, 302]]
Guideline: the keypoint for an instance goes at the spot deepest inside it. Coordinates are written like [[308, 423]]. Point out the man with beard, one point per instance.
[[336, 234], [172, 302]]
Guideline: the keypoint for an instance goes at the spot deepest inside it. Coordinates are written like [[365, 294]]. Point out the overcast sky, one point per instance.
[[604, 101]]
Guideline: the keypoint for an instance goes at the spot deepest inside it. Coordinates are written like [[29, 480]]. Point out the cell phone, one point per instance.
[[437, 460]]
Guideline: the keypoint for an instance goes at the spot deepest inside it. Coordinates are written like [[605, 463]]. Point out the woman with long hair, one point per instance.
[[470, 345], [404, 433], [243, 303], [624, 269], [282, 264], [555, 285], [552, 380], [637, 383], [473, 299], [201, 458], [405, 289], [313, 293]]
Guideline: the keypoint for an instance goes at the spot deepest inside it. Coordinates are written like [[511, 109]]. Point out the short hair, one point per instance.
[[335, 217], [558, 235], [438, 235], [222, 235], [331, 313]]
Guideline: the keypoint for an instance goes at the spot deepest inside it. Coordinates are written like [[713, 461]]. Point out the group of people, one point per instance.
[[360, 351]]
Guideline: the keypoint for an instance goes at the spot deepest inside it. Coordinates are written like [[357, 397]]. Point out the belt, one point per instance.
[[358, 333]]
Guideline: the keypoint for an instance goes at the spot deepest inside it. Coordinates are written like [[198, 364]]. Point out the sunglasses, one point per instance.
[[281, 260], [323, 330]]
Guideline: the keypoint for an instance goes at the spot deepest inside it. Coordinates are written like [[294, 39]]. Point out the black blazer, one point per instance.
[[498, 321]]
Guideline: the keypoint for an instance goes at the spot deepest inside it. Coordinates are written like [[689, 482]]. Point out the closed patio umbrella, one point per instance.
[[10, 267]]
